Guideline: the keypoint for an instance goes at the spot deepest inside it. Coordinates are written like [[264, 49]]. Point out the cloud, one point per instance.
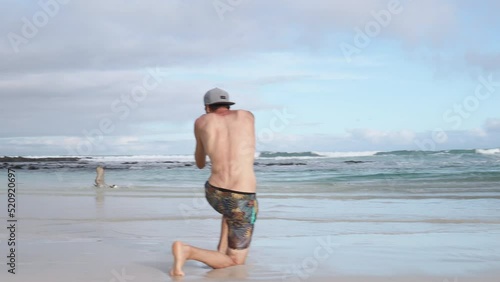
[[492, 125], [95, 35], [488, 62], [478, 132], [92, 54], [490, 129], [183, 143], [105, 145], [425, 23], [365, 139], [374, 136]]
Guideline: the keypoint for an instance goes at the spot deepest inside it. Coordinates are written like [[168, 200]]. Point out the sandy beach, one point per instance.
[[125, 235]]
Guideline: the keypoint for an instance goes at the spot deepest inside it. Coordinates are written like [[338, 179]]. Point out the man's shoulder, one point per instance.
[[244, 113], [200, 121]]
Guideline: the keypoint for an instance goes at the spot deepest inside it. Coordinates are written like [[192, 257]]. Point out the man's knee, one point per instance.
[[238, 258], [238, 261]]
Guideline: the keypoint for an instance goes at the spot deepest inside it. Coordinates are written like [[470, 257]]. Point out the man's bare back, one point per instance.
[[228, 138]]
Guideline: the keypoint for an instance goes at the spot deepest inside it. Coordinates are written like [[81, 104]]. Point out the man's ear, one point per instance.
[[207, 109]]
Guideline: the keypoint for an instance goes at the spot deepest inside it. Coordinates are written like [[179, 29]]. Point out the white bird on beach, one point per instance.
[[99, 180]]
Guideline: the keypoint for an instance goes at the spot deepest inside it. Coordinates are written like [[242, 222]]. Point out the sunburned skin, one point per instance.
[[227, 137]]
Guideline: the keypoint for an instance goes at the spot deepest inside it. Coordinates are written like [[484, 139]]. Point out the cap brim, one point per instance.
[[222, 103]]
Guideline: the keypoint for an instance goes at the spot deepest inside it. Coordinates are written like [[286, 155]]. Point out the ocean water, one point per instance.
[[387, 213], [459, 172]]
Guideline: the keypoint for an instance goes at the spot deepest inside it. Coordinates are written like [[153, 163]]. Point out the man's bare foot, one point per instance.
[[181, 253]]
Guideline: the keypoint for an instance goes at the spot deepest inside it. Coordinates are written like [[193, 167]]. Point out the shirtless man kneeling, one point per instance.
[[228, 138]]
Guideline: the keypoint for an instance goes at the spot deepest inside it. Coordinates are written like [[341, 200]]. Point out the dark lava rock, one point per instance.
[[284, 164], [354, 162], [130, 163], [25, 160]]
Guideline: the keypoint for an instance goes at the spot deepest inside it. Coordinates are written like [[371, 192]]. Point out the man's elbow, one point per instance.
[[200, 163]]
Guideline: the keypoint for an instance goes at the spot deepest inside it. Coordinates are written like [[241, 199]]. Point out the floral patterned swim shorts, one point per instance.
[[240, 211]]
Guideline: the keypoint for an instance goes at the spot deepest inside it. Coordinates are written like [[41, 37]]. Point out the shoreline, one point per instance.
[[86, 238]]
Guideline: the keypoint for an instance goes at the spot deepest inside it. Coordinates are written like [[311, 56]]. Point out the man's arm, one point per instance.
[[199, 154]]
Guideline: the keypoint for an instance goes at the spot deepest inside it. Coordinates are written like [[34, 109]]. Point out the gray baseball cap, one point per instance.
[[217, 96]]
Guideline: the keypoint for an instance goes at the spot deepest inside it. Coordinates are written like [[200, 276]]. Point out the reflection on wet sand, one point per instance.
[[235, 273]]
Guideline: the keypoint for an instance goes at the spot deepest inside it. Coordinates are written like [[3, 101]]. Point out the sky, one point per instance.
[[121, 77]]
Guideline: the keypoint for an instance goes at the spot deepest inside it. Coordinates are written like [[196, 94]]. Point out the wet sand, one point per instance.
[[91, 235]]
